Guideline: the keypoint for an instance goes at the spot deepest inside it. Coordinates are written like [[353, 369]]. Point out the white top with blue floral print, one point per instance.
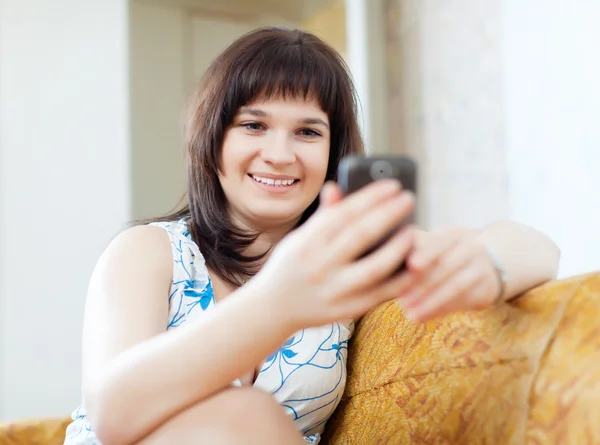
[[306, 375]]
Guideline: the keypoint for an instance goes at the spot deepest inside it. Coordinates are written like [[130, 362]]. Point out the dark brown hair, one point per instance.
[[265, 63]]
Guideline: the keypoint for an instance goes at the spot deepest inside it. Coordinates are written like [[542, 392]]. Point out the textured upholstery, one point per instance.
[[523, 373], [34, 432]]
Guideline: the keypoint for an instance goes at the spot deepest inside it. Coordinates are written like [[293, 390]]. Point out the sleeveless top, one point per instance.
[[306, 375]]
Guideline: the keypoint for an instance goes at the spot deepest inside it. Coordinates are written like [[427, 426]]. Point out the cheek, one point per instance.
[[316, 162], [232, 153], [227, 152]]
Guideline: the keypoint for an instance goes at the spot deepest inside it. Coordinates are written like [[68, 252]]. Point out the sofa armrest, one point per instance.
[[565, 395], [34, 432], [523, 370]]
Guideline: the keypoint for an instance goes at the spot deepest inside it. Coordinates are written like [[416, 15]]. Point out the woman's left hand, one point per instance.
[[449, 270]]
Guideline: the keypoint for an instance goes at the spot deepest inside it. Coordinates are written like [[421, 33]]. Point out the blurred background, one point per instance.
[[499, 102]]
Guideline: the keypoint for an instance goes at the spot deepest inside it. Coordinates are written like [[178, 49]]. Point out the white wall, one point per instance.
[[447, 107], [64, 186], [158, 73], [499, 102], [552, 74], [367, 58], [210, 37]]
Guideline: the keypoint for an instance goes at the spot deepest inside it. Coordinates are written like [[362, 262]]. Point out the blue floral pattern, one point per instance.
[[306, 375]]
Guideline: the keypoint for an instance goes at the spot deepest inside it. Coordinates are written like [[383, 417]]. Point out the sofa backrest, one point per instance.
[[525, 372]]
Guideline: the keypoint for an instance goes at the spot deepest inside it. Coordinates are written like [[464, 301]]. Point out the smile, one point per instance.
[[274, 182]]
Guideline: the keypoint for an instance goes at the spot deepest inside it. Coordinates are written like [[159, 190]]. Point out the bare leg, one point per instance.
[[236, 416]]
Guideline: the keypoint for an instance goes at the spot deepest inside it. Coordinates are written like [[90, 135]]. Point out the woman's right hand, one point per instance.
[[316, 274]]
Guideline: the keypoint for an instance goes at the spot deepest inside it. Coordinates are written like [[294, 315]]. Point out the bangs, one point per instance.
[[289, 69]]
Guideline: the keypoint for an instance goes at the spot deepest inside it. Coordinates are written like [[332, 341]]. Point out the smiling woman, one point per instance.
[[279, 106], [228, 322]]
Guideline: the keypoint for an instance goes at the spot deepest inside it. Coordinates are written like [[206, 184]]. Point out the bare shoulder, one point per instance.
[[147, 239], [138, 258], [127, 298], [139, 249]]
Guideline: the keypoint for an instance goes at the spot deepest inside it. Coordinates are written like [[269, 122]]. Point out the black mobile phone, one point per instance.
[[355, 172]]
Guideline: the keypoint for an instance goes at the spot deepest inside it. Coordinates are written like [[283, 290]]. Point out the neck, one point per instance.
[[268, 238], [265, 242]]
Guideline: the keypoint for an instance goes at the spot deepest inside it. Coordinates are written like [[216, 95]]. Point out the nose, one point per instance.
[[278, 149]]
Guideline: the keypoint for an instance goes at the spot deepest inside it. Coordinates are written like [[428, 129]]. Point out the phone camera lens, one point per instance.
[[381, 169]]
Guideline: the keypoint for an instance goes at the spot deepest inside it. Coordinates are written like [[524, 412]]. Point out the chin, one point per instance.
[[269, 217]]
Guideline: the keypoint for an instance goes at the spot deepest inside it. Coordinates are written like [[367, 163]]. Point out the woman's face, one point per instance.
[[274, 161]]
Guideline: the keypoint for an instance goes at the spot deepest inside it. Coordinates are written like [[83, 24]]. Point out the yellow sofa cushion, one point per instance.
[[525, 372], [34, 432]]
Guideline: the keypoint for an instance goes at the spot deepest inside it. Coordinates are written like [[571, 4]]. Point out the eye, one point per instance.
[[253, 127], [309, 133]]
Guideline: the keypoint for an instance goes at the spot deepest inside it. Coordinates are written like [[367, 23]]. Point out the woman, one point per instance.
[[229, 322]]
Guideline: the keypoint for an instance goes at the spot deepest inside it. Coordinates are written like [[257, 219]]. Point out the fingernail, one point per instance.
[[402, 200], [412, 297], [408, 195], [391, 185], [407, 297], [410, 302], [417, 264], [411, 314]]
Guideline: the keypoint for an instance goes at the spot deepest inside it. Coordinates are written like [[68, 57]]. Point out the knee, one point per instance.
[[249, 408], [231, 417], [249, 412]]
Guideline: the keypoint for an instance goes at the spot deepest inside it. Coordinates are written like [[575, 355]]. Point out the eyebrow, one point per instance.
[[306, 121]]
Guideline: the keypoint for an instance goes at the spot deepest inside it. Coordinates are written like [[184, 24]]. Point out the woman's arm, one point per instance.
[[453, 270], [137, 376], [528, 256], [133, 369]]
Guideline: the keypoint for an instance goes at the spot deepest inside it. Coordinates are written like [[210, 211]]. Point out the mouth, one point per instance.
[[283, 182]]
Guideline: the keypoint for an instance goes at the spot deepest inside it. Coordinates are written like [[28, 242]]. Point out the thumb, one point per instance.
[[330, 194]]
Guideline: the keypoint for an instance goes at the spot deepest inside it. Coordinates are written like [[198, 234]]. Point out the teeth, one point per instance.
[[275, 182]]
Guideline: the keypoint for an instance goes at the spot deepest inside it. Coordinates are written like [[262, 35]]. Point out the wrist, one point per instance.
[[501, 275], [268, 301]]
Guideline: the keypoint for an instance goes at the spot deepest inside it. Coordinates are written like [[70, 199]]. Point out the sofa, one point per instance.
[[527, 372]]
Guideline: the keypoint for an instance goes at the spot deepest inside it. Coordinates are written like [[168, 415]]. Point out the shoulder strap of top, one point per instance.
[[191, 286]]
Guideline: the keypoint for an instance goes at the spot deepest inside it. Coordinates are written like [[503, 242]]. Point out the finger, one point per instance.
[[454, 259], [451, 296], [390, 289], [387, 291], [330, 194], [484, 296], [424, 257], [331, 220], [364, 274], [476, 292], [374, 226]]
